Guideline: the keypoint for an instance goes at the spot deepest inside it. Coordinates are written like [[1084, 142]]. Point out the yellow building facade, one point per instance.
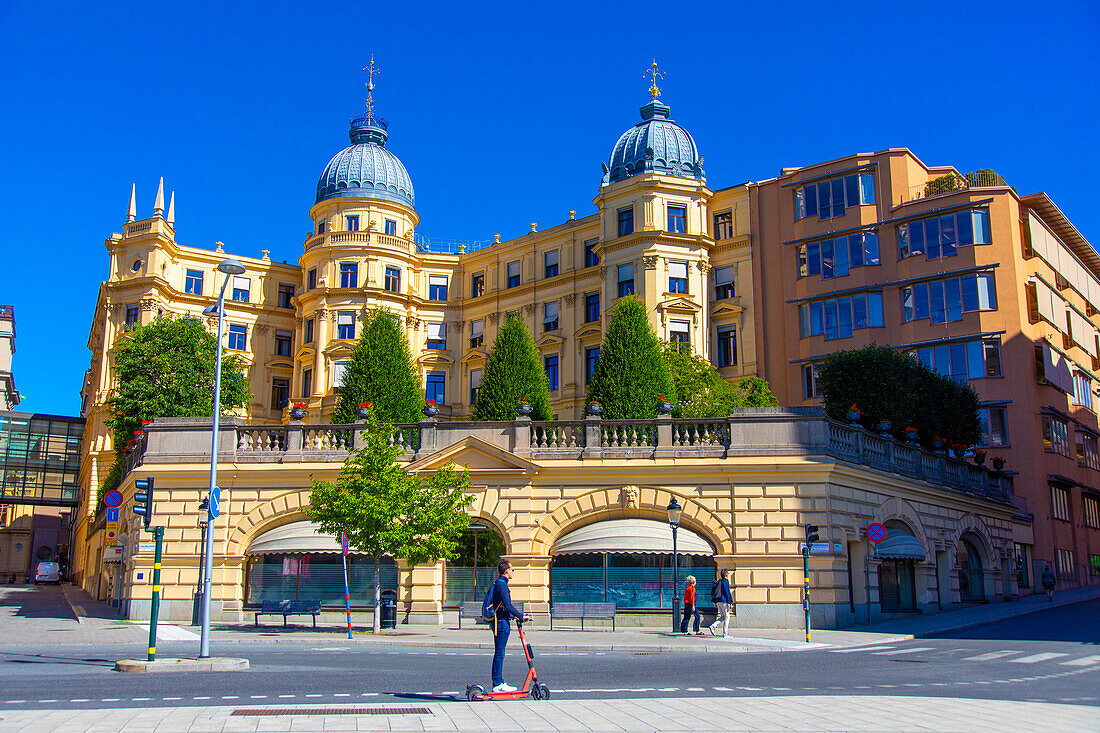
[[749, 483]]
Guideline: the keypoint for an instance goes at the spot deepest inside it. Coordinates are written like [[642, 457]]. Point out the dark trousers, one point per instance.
[[689, 611], [500, 643]]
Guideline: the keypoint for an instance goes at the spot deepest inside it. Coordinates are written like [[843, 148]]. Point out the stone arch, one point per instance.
[[496, 525], [973, 525], [649, 503], [897, 508], [289, 507]]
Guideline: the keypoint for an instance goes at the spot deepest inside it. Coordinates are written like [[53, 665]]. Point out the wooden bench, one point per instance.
[[289, 608], [583, 611], [472, 609]]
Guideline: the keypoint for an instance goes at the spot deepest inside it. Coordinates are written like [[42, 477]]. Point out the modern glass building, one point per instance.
[[40, 459]]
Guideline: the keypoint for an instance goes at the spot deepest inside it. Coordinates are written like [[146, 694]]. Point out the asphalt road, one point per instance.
[[1053, 656]]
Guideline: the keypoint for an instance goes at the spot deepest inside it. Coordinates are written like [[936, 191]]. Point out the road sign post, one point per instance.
[[811, 538], [347, 594], [154, 607], [875, 533]]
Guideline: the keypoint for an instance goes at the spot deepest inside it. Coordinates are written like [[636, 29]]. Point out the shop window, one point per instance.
[[317, 577]]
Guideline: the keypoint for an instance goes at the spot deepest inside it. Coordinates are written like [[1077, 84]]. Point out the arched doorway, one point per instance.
[[971, 573], [474, 569], [628, 562], [296, 562], [897, 575]]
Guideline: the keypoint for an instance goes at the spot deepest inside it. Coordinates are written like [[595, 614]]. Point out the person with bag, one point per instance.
[[498, 611], [689, 607], [1049, 581], [722, 597]]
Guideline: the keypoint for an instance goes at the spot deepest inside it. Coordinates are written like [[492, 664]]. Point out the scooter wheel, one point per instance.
[[472, 691], [544, 693]]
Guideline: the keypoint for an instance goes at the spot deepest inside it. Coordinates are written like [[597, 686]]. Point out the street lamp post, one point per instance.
[[229, 268], [674, 509], [196, 612]]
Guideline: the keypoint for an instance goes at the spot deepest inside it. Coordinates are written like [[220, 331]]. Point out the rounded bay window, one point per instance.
[[296, 562], [628, 562]]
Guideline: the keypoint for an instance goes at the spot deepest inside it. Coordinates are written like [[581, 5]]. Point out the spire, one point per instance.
[[654, 74], [158, 205], [171, 209], [370, 71], [131, 210]]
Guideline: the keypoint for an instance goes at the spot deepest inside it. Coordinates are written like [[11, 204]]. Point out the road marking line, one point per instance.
[[315, 695], [751, 689], [48, 701], [341, 694], [81, 699], [109, 699], [696, 689], [253, 697], [860, 649], [140, 699], [1037, 658], [723, 689], [450, 692], [1083, 661], [224, 697], [370, 694], [668, 689], [991, 655], [286, 696], [904, 651], [14, 701], [171, 698], [201, 697]]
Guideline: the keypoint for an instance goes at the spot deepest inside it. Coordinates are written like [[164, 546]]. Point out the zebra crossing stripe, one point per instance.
[[904, 651], [1037, 658], [1083, 661], [858, 649], [990, 655]]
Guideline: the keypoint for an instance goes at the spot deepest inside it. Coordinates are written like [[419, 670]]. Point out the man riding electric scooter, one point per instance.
[[504, 612]]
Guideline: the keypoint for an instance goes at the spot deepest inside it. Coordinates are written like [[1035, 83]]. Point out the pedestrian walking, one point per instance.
[[1049, 581], [723, 601], [689, 607], [503, 613]]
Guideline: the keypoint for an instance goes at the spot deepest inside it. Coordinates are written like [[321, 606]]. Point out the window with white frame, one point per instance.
[[723, 282], [339, 369], [723, 225], [392, 279], [1082, 390], [1088, 454], [836, 318], [837, 256], [943, 301], [941, 236], [963, 360], [437, 287], [1091, 506], [238, 337], [477, 333], [1063, 559], [550, 316], [1056, 435], [677, 277], [550, 263], [828, 199], [513, 274], [437, 336], [192, 283], [679, 334], [475, 384], [994, 422], [241, 287], [1059, 503], [345, 324], [727, 346]]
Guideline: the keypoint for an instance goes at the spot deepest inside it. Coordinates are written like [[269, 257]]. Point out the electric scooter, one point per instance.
[[530, 687]]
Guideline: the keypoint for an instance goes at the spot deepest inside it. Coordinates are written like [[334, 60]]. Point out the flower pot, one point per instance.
[[979, 458], [430, 410], [664, 408], [911, 436], [523, 408], [884, 427], [853, 417], [998, 464], [362, 412], [937, 444], [594, 408], [297, 413]]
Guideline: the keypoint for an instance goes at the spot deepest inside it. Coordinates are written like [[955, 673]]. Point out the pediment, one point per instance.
[[549, 341], [726, 308], [435, 358], [475, 355], [479, 455], [588, 331], [339, 349], [280, 363], [680, 305]]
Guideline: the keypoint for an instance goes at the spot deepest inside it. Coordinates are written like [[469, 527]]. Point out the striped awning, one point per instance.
[[900, 545], [645, 536], [295, 538]]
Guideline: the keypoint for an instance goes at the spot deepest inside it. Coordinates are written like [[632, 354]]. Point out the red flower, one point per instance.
[[299, 405], [364, 404], [146, 422], [431, 402]]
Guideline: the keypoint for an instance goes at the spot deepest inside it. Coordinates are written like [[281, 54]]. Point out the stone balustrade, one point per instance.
[[766, 431]]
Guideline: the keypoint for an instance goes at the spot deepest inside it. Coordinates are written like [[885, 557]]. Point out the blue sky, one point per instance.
[[501, 112]]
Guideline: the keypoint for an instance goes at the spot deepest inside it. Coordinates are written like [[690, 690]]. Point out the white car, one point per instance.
[[47, 572]]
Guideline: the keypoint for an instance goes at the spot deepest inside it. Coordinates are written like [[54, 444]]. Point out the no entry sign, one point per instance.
[[876, 532]]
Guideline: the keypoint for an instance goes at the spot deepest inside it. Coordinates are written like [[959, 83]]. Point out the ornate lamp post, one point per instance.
[[674, 509], [229, 268]]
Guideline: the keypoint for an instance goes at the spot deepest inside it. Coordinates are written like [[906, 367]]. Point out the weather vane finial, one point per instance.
[[370, 71], [654, 74]]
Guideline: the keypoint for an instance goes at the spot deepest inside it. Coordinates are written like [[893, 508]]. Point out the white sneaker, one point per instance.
[[504, 687]]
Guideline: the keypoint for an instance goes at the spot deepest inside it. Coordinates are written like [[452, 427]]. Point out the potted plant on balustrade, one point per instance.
[[523, 407], [594, 408], [884, 427], [363, 409], [664, 407], [430, 409], [998, 463], [979, 456], [911, 434], [958, 449], [854, 415], [937, 443], [297, 410]]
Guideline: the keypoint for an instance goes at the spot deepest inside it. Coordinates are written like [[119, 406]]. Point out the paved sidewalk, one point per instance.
[[697, 715]]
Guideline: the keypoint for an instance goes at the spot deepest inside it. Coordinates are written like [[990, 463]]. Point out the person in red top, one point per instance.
[[689, 607]]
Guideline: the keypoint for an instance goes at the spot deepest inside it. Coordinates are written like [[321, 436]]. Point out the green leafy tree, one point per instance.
[[166, 369], [631, 375], [385, 510], [513, 372], [703, 392], [381, 371], [886, 384]]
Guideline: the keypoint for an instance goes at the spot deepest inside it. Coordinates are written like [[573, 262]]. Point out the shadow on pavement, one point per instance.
[[425, 696], [50, 659], [36, 601], [1078, 622]]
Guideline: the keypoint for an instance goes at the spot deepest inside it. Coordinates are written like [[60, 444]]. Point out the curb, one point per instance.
[[78, 611], [213, 664]]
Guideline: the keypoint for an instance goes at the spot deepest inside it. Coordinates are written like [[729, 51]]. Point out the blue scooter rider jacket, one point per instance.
[[502, 603]]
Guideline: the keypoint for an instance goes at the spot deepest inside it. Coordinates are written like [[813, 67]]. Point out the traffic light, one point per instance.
[[811, 535], [143, 500]]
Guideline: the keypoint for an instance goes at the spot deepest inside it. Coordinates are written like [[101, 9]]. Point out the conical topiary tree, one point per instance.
[[631, 375], [513, 372], [381, 372]]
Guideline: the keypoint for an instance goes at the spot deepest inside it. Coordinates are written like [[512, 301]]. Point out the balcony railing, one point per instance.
[[763, 432], [954, 181]]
